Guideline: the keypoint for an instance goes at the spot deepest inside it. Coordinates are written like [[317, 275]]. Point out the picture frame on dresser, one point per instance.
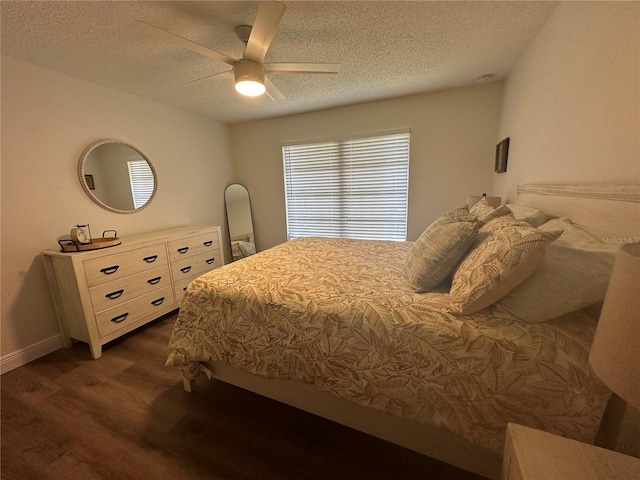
[[100, 295]]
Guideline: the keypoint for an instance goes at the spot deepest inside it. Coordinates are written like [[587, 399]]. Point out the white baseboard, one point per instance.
[[34, 351]]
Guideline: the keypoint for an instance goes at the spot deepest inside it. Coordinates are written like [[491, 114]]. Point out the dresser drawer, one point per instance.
[[122, 315], [191, 246], [196, 265], [181, 287], [113, 293], [119, 265]]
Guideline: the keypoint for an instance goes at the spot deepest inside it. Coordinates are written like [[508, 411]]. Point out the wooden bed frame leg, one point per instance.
[[189, 384]]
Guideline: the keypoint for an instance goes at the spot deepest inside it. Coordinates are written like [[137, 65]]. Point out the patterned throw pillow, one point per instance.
[[499, 223], [496, 266], [437, 252], [485, 212]]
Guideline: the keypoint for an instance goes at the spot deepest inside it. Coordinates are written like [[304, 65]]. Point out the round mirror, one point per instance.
[[117, 176]]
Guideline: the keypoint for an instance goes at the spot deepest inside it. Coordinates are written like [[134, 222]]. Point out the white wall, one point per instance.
[[452, 151], [47, 121], [572, 110], [571, 104]]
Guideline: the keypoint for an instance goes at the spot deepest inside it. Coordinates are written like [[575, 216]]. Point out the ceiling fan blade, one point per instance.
[[183, 42], [215, 76], [272, 92], [294, 68], [264, 29]]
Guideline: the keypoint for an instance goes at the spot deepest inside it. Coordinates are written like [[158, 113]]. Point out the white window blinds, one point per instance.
[[142, 182], [356, 188]]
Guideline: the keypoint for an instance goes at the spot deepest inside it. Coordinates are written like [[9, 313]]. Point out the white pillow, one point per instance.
[[532, 216], [574, 274]]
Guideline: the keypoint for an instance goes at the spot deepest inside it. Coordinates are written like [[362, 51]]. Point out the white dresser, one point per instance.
[[100, 295]]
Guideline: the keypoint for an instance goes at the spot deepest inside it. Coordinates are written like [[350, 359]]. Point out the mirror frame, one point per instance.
[[85, 187], [226, 203]]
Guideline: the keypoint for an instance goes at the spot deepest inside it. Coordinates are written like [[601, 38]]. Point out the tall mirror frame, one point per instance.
[[239, 221], [88, 188]]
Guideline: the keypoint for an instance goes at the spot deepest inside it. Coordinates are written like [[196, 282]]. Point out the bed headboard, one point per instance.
[[607, 211]]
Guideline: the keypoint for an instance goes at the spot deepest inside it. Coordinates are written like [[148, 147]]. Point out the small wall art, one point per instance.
[[502, 153]]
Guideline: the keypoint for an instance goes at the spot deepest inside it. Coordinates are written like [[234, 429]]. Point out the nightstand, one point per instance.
[[531, 454]]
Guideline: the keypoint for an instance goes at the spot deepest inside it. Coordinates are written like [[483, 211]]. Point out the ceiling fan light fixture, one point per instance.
[[248, 71], [250, 87], [249, 76]]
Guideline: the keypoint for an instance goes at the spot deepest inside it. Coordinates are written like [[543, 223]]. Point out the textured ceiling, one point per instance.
[[386, 49]]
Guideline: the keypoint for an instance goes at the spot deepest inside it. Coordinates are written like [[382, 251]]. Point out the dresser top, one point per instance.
[[140, 240]]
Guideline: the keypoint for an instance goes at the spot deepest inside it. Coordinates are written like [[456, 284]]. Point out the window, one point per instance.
[[142, 182], [356, 188]]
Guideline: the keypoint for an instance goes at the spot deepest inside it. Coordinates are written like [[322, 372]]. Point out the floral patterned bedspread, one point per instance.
[[340, 314]]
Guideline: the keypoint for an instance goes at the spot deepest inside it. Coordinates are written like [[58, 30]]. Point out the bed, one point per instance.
[[334, 327]]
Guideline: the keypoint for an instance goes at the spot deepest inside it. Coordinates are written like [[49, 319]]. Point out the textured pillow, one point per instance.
[[574, 274], [437, 252], [532, 216], [496, 266], [485, 212], [498, 223], [457, 215]]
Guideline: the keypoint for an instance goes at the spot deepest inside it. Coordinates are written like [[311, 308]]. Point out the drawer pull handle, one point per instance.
[[110, 270], [153, 281], [185, 269], [157, 302], [120, 318], [114, 295], [208, 243], [183, 250], [210, 261], [150, 259]]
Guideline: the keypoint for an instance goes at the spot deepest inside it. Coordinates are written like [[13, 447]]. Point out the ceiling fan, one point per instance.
[[249, 72]]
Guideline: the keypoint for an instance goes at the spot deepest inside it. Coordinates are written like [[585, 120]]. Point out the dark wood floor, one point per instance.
[[126, 416]]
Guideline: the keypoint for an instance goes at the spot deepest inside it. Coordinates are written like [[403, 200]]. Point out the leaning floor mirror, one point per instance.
[[236, 199]]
